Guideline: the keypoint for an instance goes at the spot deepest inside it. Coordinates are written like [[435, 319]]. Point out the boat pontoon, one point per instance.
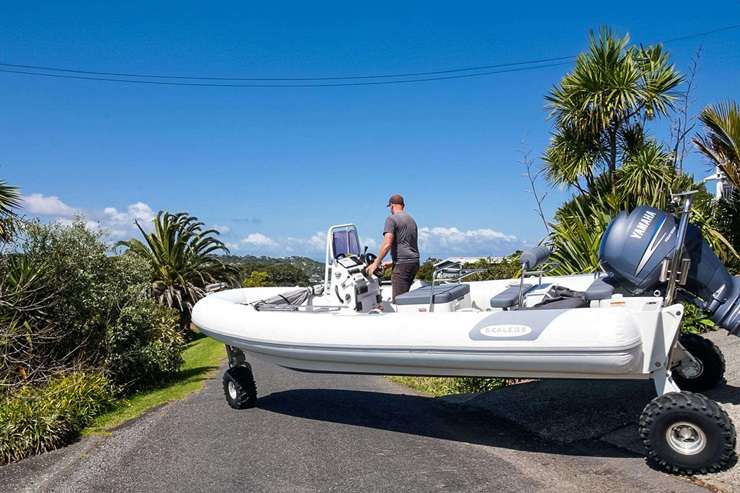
[[623, 323]]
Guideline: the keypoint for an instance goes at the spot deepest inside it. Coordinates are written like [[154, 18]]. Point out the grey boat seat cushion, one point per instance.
[[443, 293], [509, 296], [600, 289]]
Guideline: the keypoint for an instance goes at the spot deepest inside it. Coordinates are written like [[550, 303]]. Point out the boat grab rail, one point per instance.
[[293, 308], [449, 271]]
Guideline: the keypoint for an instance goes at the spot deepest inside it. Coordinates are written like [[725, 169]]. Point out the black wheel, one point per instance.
[[239, 387], [711, 369], [687, 433]]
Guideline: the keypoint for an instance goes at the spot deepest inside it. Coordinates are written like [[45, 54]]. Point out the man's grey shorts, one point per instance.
[[402, 277]]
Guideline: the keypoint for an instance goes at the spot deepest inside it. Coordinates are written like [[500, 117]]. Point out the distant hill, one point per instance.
[[276, 271]]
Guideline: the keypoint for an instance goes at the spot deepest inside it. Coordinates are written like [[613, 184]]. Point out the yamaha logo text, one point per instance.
[[642, 225]]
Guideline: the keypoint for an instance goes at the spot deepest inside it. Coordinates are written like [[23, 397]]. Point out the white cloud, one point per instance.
[[443, 241], [317, 242], [260, 240], [369, 242], [47, 205], [438, 241], [117, 223], [136, 211], [121, 224]]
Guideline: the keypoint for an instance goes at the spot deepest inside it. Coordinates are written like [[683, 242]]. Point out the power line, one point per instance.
[[331, 84], [705, 33], [288, 79], [350, 80]]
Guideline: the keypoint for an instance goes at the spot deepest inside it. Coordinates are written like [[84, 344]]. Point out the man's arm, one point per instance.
[[384, 249]]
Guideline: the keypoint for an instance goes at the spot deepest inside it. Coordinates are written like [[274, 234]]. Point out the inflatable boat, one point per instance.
[[622, 323]]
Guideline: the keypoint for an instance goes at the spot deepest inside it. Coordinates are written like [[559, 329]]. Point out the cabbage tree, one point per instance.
[[601, 106]]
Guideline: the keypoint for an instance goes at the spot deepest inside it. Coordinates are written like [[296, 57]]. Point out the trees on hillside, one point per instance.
[[269, 271]]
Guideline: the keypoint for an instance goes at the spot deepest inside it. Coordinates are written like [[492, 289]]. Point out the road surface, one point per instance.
[[330, 433]]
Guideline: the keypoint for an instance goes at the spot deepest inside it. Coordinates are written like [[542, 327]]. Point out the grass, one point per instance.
[[200, 359], [439, 386], [426, 385]]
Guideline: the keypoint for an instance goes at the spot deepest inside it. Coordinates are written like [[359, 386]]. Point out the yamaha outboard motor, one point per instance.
[[635, 245]]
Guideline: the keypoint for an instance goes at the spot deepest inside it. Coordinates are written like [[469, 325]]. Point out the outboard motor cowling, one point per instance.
[[635, 244]]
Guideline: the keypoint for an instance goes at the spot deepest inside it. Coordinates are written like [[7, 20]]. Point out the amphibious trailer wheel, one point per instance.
[[710, 370], [239, 387], [687, 433]]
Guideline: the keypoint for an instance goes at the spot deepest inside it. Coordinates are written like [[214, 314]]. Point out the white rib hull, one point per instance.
[[597, 342]]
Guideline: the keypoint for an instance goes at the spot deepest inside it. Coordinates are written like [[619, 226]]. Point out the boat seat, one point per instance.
[[600, 289], [443, 293], [509, 296]]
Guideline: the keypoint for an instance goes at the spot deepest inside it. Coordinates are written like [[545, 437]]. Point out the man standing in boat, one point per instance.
[[400, 237]]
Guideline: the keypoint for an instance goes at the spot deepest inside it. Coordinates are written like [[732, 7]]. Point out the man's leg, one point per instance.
[[402, 278]]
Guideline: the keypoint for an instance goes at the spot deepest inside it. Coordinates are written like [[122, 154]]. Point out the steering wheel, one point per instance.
[[369, 259]]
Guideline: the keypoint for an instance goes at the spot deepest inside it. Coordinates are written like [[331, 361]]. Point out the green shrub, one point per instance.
[[728, 221], [144, 344], [82, 288], [695, 320], [39, 419], [93, 309]]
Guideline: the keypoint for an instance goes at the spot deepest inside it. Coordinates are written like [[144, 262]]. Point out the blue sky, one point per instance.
[[273, 166]]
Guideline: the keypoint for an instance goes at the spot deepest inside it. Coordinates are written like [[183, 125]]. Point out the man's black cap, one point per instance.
[[396, 199]]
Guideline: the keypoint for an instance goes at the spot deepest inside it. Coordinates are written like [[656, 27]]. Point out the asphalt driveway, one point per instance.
[[332, 433]]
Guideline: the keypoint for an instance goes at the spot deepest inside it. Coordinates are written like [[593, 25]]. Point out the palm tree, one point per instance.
[[721, 142], [183, 260], [10, 199], [600, 108]]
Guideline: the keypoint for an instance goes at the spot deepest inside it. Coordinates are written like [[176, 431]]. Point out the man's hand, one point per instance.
[[384, 249]]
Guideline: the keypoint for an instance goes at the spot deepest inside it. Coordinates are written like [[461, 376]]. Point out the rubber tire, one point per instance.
[[712, 360], [246, 389], [702, 412]]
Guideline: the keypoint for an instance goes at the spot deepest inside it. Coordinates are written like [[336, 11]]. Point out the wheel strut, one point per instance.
[[236, 356]]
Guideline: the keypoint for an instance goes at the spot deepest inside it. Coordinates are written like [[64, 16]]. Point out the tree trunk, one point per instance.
[[613, 156]]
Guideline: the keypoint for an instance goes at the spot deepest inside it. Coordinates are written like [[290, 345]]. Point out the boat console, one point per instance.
[[345, 280], [352, 287]]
